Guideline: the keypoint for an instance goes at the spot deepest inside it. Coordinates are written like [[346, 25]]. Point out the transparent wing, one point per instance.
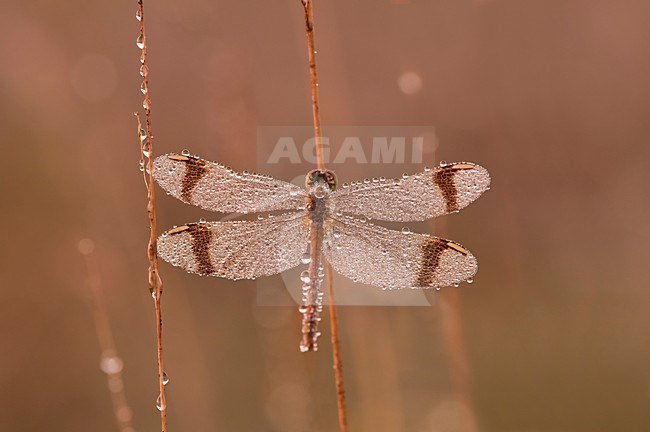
[[391, 259], [416, 197], [237, 249], [215, 187]]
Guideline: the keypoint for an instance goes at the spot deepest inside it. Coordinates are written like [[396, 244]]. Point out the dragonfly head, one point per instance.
[[324, 180]]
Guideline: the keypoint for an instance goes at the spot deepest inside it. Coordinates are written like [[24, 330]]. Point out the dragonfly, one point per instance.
[[316, 223]]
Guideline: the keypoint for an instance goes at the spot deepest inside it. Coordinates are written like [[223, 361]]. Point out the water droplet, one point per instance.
[[146, 104], [409, 83], [306, 258], [87, 246], [160, 403], [304, 348], [456, 285], [442, 163], [138, 15], [140, 41], [144, 70], [405, 176], [427, 169], [143, 87], [304, 276], [185, 152], [202, 220], [142, 134], [165, 379], [470, 280], [111, 364], [406, 230]]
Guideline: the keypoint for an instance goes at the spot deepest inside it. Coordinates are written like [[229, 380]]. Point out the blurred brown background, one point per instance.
[[553, 97]]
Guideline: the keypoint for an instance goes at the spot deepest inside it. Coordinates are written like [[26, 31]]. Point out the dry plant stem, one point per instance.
[[115, 383], [155, 282], [336, 355], [450, 315], [313, 79]]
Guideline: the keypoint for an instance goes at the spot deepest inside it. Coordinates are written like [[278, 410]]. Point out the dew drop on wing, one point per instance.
[[306, 258], [140, 41], [304, 276], [185, 152]]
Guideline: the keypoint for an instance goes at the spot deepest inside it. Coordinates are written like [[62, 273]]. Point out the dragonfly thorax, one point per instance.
[[320, 182]]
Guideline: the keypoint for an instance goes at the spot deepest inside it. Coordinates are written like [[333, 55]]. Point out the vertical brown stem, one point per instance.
[[154, 280], [320, 164], [450, 315], [313, 80], [336, 355]]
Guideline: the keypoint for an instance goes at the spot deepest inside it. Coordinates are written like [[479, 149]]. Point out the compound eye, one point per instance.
[[330, 178], [323, 177]]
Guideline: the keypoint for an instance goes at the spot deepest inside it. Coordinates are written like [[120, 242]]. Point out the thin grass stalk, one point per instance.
[[313, 81], [146, 147], [454, 346], [111, 364], [320, 164], [336, 354]]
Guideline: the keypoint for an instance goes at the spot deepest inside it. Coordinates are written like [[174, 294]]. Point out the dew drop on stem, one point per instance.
[[160, 404], [140, 41]]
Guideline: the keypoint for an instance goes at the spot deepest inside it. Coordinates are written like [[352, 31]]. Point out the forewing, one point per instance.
[[237, 249], [375, 255], [445, 189], [215, 187]]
